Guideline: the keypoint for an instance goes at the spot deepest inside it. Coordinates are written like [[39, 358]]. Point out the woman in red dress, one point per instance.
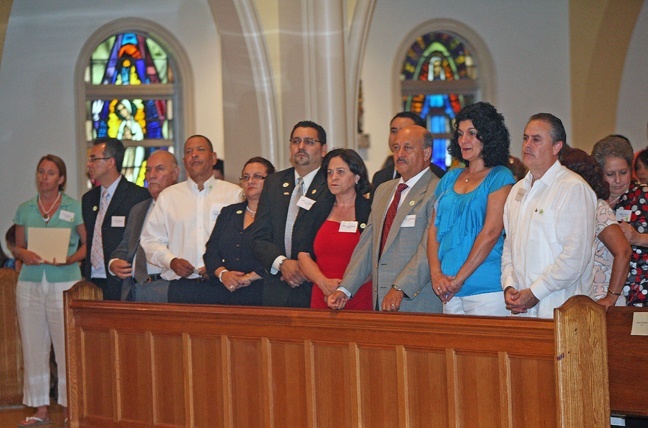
[[324, 260]]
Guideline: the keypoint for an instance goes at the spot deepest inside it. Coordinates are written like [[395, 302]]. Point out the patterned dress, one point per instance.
[[603, 259], [635, 200]]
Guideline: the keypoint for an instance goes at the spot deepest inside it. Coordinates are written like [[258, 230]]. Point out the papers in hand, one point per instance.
[[49, 243]]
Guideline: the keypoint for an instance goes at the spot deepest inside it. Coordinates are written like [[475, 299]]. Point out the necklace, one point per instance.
[[471, 175], [46, 217], [252, 213], [615, 201]]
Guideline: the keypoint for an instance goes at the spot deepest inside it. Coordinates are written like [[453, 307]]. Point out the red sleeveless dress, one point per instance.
[[333, 251]]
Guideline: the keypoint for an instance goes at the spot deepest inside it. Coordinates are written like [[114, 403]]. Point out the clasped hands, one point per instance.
[[184, 269], [291, 273], [391, 302], [445, 287], [234, 279], [518, 302]]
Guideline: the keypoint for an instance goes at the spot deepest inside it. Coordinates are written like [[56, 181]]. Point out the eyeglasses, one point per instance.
[[308, 141], [255, 177], [92, 159]]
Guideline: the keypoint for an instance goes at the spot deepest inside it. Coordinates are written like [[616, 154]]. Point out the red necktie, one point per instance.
[[391, 214]]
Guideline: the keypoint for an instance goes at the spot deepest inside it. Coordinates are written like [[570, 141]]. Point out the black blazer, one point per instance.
[[268, 232], [126, 196], [304, 237], [381, 177]]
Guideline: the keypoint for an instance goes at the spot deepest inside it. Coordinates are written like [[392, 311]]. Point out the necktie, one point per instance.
[[293, 209], [391, 213], [97, 255], [141, 271]]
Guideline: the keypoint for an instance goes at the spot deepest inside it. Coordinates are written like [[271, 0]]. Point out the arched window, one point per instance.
[[439, 74], [131, 91]]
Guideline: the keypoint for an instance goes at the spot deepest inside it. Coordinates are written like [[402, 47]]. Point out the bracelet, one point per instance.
[[612, 292], [220, 275]]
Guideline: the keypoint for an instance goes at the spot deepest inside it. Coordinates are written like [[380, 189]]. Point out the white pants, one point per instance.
[[40, 317], [478, 304]]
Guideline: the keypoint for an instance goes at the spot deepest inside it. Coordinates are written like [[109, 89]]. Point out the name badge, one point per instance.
[[410, 221], [66, 216], [348, 226], [623, 215], [520, 195], [117, 221], [305, 203], [216, 210]]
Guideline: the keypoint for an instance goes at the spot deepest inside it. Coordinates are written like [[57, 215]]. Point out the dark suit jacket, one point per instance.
[[126, 196], [304, 237], [127, 248], [268, 233]]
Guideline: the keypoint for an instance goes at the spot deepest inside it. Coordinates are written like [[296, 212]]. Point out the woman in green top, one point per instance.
[[39, 294]]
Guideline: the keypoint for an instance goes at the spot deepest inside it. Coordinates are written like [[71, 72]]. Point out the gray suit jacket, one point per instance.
[[127, 248], [404, 260]]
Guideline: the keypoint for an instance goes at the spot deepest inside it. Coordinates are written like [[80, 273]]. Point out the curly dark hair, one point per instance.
[[491, 131], [587, 167], [642, 157], [356, 166]]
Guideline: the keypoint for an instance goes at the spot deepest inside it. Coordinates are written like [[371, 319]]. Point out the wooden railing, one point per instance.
[[133, 364], [11, 363], [628, 359]]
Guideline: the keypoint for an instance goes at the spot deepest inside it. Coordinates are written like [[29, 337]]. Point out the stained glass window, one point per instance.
[[438, 78], [130, 94]]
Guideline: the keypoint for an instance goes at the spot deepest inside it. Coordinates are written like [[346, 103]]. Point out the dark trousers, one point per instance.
[[111, 287]]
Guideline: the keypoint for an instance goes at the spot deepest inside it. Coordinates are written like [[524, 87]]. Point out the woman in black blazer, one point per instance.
[[235, 275]]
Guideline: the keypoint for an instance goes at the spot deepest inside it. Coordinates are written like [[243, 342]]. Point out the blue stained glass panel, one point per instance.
[[438, 56]]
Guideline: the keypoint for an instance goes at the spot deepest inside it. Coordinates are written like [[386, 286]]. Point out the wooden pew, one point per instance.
[[11, 363], [628, 358], [132, 364]]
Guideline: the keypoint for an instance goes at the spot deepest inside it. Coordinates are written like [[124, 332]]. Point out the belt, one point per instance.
[[153, 277]]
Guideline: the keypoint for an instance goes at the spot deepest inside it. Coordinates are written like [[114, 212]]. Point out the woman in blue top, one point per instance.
[[39, 294], [466, 231]]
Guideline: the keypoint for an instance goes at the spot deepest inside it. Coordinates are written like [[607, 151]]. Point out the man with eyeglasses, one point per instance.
[[105, 211], [287, 196], [180, 223]]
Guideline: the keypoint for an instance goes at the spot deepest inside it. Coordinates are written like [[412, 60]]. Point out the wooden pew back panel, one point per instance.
[[180, 365]]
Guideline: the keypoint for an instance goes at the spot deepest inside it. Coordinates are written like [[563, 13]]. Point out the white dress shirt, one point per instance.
[[182, 221], [549, 246]]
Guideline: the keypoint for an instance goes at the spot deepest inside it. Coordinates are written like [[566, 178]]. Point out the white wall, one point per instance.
[[37, 104], [528, 41], [632, 110]]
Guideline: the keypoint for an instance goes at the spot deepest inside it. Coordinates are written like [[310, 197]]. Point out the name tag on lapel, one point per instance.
[[348, 227], [305, 203], [66, 216], [117, 221], [623, 215], [410, 221]]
